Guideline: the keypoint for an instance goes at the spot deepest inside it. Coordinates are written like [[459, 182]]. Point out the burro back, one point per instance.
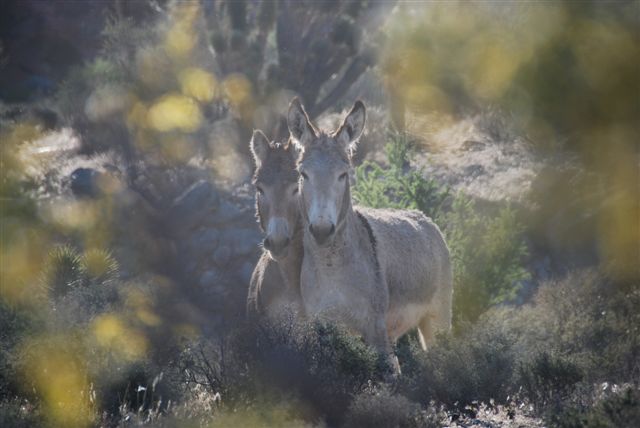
[[379, 272], [275, 283]]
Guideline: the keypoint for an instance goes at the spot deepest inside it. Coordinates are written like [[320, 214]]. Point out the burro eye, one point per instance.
[[304, 176], [342, 176]]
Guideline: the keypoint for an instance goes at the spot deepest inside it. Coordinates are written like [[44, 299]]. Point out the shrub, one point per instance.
[[385, 409], [620, 410], [16, 324], [548, 380], [458, 370], [584, 316], [319, 363], [20, 414]]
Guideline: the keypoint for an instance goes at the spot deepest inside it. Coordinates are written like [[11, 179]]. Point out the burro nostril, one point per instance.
[[267, 243], [322, 232]]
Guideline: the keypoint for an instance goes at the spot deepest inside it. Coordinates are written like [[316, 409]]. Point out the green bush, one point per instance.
[[397, 185], [487, 250], [488, 253]]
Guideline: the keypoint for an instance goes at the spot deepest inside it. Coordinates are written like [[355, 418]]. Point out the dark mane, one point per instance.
[[372, 239]]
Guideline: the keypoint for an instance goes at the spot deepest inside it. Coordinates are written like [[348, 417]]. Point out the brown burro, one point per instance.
[[275, 283], [379, 272]]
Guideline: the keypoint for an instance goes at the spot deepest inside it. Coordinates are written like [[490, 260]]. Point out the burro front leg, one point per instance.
[[378, 337]]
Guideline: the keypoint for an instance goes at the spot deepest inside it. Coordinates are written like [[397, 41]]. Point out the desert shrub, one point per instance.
[[139, 390], [16, 324], [548, 380], [587, 327], [18, 413], [381, 407], [487, 249], [318, 363], [457, 370], [618, 410], [199, 407], [584, 316]]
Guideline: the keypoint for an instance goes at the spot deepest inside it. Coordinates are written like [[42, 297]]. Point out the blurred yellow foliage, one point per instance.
[[22, 258], [98, 262], [59, 376], [181, 37], [177, 149], [197, 83], [73, 215], [113, 333], [175, 112], [137, 116], [237, 89]]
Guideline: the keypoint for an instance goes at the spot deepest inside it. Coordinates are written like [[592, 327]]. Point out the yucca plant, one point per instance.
[[99, 265], [63, 271]]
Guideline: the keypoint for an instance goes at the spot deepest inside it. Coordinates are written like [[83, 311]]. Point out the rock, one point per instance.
[[190, 208], [191, 268], [474, 171], [206, 241], [472, 145], [222, 255], [227, 212], [210, 279], [84, 183], [242, 241], [246, 271]]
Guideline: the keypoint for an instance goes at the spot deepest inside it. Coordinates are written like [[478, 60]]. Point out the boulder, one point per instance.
[[190, 209], [242, 241], [85, 183]]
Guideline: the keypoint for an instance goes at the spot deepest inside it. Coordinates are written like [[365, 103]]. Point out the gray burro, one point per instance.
[[379, 272], [275, 283]]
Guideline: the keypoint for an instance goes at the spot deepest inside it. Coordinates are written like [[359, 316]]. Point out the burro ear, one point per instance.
[[259, 147], [293, 149], [299, 125], [352, 127]]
